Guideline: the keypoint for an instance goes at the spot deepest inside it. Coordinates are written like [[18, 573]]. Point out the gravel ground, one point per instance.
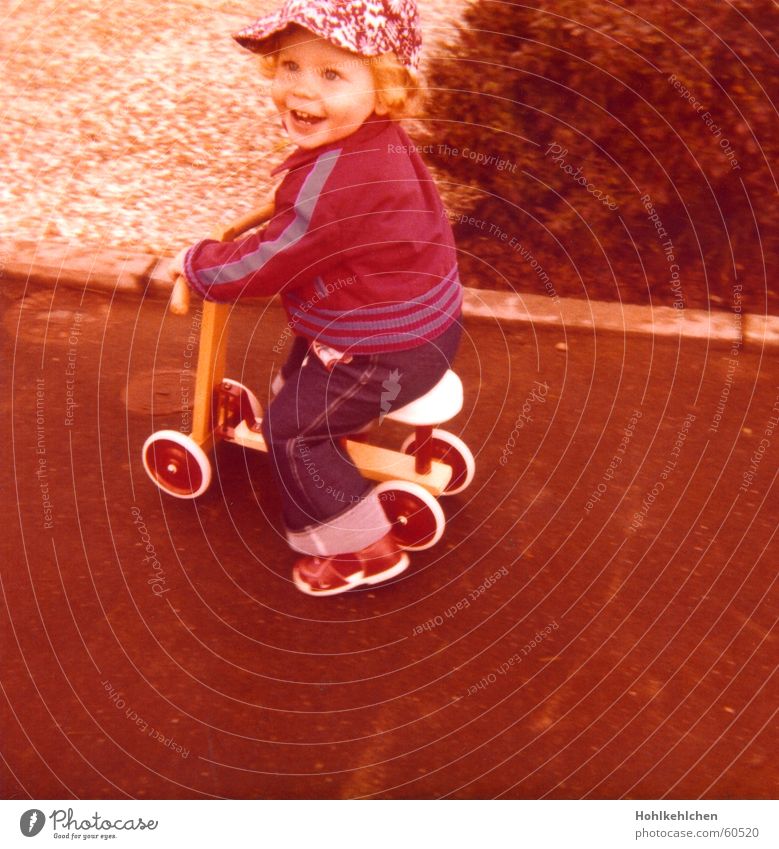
[[138, 125]]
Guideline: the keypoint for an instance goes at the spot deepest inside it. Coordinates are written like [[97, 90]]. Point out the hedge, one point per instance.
[[618, 151]]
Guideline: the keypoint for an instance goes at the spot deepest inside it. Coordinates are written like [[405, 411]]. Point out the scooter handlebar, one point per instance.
[[248, 222], [179, 299]]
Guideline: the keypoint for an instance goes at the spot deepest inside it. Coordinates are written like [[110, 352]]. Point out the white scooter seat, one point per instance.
[[443, 402]]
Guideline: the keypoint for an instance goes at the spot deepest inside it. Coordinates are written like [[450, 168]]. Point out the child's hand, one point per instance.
[[179, 299], [176, 265]]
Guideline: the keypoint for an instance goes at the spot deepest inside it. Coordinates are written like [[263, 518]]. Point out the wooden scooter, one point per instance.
[[429, 463]]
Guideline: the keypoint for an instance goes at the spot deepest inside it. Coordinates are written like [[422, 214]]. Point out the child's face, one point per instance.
[[322, 92]]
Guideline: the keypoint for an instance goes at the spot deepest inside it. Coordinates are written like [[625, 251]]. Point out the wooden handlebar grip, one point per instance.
[[179, 298], [248, 222]]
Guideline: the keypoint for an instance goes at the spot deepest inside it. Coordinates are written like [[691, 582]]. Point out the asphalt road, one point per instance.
[[598, 621]]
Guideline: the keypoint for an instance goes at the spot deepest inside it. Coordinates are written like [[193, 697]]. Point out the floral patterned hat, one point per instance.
[[366, 27]]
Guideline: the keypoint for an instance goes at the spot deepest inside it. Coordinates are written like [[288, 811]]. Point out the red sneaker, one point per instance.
[[375, 563]]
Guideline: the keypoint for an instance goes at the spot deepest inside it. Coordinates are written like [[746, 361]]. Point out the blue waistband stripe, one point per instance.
[[431, 296], [365, 319], [421, 324]]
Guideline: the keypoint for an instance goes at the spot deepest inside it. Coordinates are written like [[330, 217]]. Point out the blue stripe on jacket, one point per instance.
[[304, 209]]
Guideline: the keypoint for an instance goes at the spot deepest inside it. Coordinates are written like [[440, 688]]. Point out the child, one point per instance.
[[362, 253]]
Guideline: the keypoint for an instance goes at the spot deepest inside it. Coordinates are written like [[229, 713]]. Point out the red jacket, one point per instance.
[[360, 247]]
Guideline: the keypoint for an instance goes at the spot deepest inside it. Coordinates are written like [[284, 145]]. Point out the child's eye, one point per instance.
[[330, 74], [289, 66]]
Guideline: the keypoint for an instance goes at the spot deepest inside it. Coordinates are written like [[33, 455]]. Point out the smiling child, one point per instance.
[[362, 253]]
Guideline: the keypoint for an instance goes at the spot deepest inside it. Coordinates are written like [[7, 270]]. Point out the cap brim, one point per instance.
[[256, 34]]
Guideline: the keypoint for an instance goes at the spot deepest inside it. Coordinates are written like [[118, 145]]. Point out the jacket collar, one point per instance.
[[371, 127]]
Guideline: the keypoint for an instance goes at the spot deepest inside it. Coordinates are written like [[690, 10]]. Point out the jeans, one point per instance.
[[328, 506]]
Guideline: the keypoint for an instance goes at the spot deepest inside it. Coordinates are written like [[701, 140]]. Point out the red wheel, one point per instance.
[[417, 518], [450, 449], [176, 464]]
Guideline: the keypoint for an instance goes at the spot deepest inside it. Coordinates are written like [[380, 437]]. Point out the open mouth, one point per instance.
[[306, 118]]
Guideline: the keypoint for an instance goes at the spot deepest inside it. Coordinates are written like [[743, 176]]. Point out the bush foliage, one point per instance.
[[618, 150]]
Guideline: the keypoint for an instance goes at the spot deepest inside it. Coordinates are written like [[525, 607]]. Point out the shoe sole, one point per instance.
[[392, 572], [351, 583]]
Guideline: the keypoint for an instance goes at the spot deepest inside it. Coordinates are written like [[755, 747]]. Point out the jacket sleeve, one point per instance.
[[300, 242]]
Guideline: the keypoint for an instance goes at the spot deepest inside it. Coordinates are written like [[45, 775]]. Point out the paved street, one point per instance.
[[598, 621]]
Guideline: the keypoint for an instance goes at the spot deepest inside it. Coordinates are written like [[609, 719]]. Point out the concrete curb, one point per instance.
[[113, 271], [725, 327]]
